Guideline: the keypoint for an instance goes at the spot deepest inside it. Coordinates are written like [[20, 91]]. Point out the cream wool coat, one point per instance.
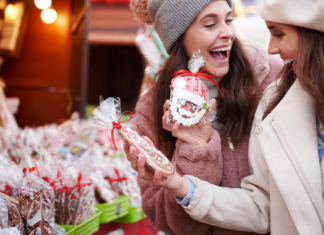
[[284, 194]]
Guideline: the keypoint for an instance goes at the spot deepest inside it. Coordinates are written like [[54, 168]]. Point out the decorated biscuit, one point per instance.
[[154, 158], [189, 100], [189, 104]]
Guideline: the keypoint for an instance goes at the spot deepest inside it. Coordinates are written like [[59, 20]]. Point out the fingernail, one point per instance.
[[139, 157], [131, 150]]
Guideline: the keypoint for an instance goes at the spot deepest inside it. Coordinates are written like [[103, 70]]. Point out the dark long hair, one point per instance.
[[239, 86], [310, 70]]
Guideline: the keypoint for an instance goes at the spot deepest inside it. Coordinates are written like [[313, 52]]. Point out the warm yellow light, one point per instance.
[[43, 4], [9, 9], [49, 16]]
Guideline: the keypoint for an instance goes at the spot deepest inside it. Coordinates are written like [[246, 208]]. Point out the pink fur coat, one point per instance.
[[213, 162]]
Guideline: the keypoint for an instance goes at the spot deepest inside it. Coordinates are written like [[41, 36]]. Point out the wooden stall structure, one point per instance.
[[64, 66]]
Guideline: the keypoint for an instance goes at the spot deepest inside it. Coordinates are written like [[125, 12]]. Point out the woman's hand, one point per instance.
[[199, 135], [175, 184]]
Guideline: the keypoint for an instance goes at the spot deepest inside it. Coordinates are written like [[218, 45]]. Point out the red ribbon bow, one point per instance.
[[119, 179], [199, 74], [7, 190], [116, 125], [78, 186]]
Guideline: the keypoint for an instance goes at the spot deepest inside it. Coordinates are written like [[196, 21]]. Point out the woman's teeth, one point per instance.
[[222, 49], [287, 61]]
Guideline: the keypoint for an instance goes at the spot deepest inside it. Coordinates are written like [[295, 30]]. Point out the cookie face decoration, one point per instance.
[[189, 96], [189, 100]]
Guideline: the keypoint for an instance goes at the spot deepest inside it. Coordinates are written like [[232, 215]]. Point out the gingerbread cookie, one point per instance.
[[35, 208], [154, 158], [9, 216], [189, 101]]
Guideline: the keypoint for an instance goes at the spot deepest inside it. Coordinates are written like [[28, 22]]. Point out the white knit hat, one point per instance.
[[303, 13]]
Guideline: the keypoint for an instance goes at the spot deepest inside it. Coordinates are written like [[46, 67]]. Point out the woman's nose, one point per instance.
[[227, 32], [273, 48]]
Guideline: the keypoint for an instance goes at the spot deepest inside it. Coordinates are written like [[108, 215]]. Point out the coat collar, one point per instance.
[[295, 120]]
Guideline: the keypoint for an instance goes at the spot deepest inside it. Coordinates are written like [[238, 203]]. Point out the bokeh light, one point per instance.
[[43, 4], [9, 9], [49, 16]]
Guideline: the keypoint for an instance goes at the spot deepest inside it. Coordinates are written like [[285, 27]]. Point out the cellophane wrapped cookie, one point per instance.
[[11, 222], [74, 196], [189, 101], [36, 204], [106, 116]]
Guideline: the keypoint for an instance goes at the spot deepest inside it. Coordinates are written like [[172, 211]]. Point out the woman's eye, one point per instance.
[[229, 20], [194, 108], [278, 35], [183, 102], [210, 25]]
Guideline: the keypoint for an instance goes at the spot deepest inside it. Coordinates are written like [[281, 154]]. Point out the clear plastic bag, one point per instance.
[[36, 204], [106, 115], [74, 201], [189, 100], [10, 219]]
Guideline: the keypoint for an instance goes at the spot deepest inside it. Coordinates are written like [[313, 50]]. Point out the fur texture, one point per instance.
[[139, 8], [213, 162]]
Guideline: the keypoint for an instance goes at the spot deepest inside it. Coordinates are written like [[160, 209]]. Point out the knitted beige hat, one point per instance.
[[303, 13], [170, 18]]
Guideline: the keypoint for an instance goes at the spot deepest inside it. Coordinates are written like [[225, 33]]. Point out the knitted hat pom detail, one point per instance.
[[139, 8]]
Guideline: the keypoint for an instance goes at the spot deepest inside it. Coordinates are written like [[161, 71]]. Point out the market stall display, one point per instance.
[[67, 168]]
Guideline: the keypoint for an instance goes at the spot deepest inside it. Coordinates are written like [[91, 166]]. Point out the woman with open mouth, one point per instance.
[[216, 152]]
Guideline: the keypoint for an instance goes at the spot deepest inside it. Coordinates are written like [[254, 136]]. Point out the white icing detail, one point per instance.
[[184, 112], [147, 150], [179, 83]]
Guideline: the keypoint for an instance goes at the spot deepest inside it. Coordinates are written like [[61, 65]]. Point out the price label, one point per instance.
[[118, 209]]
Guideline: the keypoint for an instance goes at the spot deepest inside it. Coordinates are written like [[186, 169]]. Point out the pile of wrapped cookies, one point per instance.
[[64, 179]]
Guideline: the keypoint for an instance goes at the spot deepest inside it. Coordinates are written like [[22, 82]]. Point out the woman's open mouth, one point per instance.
[[220, 54]]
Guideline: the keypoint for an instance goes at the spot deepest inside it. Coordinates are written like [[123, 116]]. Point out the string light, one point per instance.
[[49, 16], [9, 9], [43, 4]]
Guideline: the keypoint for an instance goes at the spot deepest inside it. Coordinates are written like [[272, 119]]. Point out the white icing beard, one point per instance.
[[178, 113]]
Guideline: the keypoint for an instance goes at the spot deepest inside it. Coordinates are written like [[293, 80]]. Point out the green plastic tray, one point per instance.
[[70, 229], [90, 226], [135, 214], [114, 210]]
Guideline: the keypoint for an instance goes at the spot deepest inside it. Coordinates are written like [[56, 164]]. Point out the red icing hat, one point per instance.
[[193, 85]]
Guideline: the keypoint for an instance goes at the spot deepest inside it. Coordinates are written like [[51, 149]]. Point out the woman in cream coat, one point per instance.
[[284, 194]]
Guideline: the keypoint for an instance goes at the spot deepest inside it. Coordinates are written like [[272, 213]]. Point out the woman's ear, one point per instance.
[[139, 8]]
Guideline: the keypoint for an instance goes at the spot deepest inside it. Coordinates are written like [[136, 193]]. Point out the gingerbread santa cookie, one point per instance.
[[189, 101], [106, 115], [189, 96]]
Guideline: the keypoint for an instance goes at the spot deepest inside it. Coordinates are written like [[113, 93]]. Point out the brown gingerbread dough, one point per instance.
[[154, 159]]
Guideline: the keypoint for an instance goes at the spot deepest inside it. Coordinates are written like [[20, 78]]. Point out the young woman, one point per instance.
[[285, 191], [217, 152]]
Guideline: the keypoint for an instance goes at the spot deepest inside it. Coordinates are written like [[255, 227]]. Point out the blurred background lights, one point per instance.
[[43, 4], [49, 16], [9, 9]]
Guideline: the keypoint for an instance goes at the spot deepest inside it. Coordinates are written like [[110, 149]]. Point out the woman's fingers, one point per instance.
[[166, 106], [157, 178], [126, 148], [141, 166], [212, 104], [175, 129], [148, 140], [132, 157], [164, 121]]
